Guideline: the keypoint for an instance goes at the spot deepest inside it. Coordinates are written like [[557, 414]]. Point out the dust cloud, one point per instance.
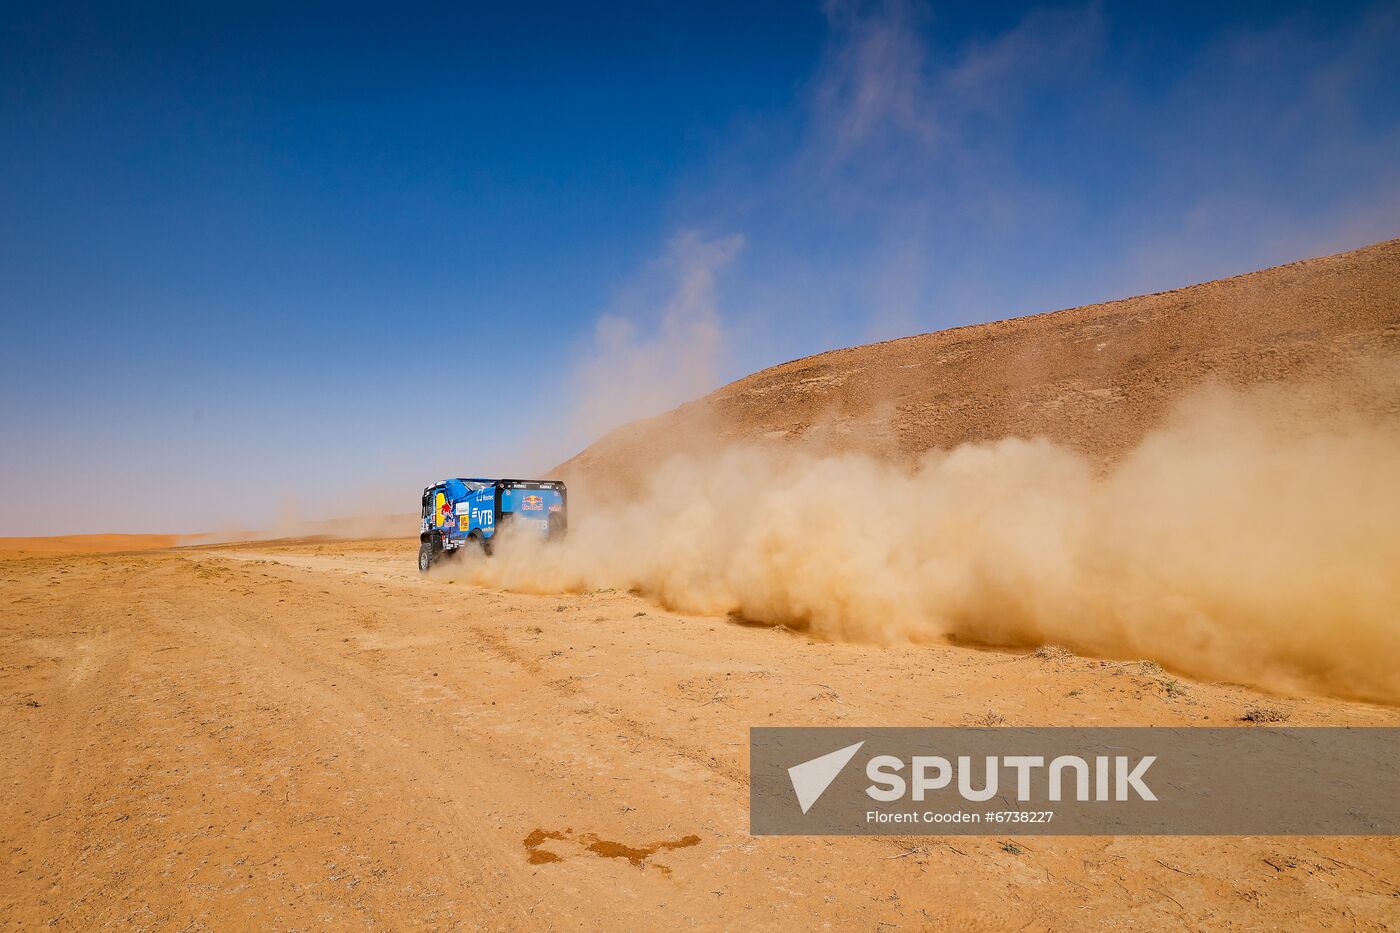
[[1254, 536]]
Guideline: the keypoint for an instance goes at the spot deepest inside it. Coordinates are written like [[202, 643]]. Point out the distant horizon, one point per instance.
[[263, 267], [306, 527]]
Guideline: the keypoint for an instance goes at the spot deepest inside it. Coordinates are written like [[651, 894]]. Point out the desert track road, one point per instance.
[[310, 735]]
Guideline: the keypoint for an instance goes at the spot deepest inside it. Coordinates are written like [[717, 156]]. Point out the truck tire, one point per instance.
[[481, 542], [428, 553]]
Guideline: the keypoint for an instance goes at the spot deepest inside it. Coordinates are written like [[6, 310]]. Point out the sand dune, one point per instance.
[[1094, 379]]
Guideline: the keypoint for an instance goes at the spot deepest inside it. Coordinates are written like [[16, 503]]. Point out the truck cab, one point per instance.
[[470, 512]]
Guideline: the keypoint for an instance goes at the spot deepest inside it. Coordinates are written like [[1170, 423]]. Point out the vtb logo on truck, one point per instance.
[[892, 778]]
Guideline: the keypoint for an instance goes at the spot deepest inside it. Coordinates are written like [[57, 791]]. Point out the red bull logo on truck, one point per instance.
[[532, 504]]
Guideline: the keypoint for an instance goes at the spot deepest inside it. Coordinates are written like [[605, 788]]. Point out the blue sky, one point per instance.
[[258, 263]]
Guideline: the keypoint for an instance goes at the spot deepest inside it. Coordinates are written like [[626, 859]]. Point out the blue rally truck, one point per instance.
[[470, 512]]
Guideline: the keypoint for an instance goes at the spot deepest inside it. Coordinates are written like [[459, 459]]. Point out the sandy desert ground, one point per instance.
[[307, 735]]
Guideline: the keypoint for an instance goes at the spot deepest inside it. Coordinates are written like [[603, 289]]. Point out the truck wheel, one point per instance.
[[427, 554], [481, 542]]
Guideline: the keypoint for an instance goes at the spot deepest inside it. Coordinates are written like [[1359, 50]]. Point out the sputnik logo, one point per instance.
[[811, 778]]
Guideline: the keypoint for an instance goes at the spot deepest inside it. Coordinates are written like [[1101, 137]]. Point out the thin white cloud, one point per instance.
[[661, 351], [920, 183]]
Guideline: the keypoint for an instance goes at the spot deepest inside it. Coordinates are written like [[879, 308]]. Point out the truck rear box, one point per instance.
[[462, 511]]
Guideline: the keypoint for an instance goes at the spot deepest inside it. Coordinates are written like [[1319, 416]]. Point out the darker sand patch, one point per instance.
[[591, 842]]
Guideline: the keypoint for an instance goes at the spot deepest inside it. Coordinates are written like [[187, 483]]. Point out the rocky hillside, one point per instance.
[[1095, 378]]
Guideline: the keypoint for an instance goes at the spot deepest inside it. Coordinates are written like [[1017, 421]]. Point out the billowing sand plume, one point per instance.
[[1253, 536]]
